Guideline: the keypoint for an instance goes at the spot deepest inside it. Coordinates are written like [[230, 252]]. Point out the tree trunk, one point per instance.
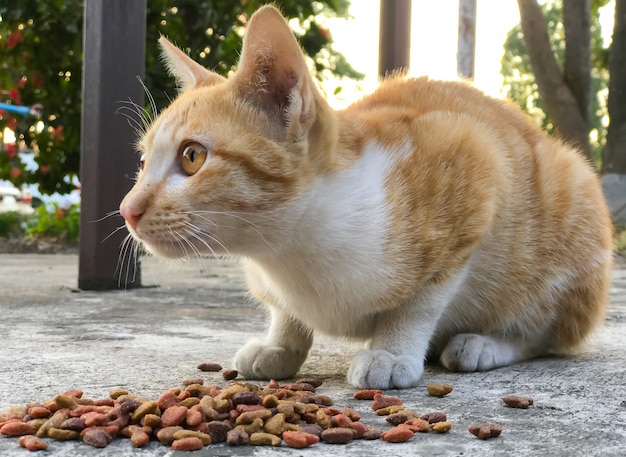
[[559, 99], [614, 155], [577, 67]]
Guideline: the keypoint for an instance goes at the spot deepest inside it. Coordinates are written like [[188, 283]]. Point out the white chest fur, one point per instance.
[[331, 270]]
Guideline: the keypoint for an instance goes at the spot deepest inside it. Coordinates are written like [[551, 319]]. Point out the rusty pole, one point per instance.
[[114, 55], [395, 36]]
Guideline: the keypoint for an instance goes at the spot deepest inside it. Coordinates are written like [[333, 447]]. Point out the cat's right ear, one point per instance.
[[188, 73]]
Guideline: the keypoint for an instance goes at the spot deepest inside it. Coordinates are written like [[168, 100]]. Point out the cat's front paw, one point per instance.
[[470, 352], [377, 369], [257, 360]]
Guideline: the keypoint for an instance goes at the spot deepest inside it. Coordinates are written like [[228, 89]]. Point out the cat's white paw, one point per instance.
[[377, 369], [469, 352], [257, 360]]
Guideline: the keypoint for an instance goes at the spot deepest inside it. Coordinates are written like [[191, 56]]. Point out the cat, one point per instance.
[[427, 220]]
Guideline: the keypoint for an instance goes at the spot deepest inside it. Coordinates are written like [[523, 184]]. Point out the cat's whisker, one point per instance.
[[153, 105], [106, 216], [256, 228], [209, 236], [121, 260], [121, 227], [140, 128]]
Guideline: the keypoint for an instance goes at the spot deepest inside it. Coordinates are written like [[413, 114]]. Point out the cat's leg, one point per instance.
[[396, 353], [281, 354], [470, 352]]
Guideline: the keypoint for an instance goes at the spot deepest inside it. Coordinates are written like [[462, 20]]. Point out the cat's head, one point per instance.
[[228, 155]]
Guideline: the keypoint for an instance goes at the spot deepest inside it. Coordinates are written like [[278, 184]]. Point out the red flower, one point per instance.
[[14, 94], [58, 133], [44, 169], [15, 172], [59, 214], [14, 39], [11, 123], [11, 150]]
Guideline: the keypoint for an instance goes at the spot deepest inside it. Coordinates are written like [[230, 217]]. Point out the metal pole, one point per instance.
[[114, 55], [467, 39], [395, 36]]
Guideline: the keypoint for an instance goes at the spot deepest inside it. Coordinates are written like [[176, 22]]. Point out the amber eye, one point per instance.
[[192, 157], [142, 161]]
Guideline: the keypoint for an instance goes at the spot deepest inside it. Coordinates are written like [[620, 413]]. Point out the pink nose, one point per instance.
[[131, 214]]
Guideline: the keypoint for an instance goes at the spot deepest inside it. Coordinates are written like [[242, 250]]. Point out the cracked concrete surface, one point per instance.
[[148, 340]]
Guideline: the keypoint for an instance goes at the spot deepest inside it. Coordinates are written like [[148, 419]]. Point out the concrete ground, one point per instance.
[[53, 337]]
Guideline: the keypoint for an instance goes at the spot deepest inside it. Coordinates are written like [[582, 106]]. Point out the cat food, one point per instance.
[[433, 417], [32, 443], [229, 374], [337, 435], [439, 390], [441, 427], [514, 401], [367, 394], [485, 431], [299, 439], [211, 367], [398, 434]]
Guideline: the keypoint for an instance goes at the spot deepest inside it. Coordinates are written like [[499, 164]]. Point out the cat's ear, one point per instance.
[[188, 73], [273, 75]]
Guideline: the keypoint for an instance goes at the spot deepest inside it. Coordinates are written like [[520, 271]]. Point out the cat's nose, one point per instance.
[[131, 214]]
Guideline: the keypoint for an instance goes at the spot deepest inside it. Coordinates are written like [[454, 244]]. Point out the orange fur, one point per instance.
[[425, 219]]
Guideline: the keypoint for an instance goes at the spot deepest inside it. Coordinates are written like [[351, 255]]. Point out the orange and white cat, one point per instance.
[[427, 220]]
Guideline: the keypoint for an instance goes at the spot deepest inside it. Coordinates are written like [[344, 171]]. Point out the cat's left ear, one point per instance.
[[188, 73], [273, 74]]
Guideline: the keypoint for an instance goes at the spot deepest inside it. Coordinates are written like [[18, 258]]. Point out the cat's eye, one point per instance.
[[192, 157], [142, 161]]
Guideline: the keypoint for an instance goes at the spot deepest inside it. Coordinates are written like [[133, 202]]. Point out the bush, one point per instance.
[[53, 221], [12, 224]]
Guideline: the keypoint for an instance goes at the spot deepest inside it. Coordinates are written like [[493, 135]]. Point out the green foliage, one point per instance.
[[11, 224], [53, 221], [41, 59], [519, 80]]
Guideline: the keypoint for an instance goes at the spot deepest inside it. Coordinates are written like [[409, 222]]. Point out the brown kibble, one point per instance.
[[194, 416], [17, 428], [65, 401], [264, 439], [311, 381], [218, 431], [39, 412], [152, 420], [188, 382], [54, 422], [211, 367], [367, 394], [299, 440], [73, 423], [397, 435], [229, 375], [97, 437], [439, 390], [139, 438], [275, 424], [32, 443], [166, 434], [236, 437], [381, 402], [417, 425], [485, 431], [393, 409], [337, 435], [63, 435], [116, 393], [441, 427], [174, 415], [434, 417], [148, 407], [205, 437], [191, 443], [372, 433], [514, 401]]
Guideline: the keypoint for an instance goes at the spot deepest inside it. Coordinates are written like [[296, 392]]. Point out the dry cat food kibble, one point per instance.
[[485, 431], [439, 390], [514, 401], [238, 414]]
